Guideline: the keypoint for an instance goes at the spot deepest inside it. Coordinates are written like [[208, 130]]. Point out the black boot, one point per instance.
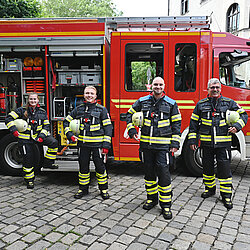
[[208, 193], [80, 193], [167, 214], [105, 194], [49, 164], [149, 204], [227, 203], [30, 184]]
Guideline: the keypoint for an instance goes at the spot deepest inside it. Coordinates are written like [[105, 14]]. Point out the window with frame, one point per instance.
[[143, 62], [233, 18], [235, 68], [184, 7], [185, 67]]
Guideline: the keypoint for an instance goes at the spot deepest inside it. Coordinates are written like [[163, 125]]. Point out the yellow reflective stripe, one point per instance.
[[222, 123], [163, 123], [131, 111], [205, 137], [95, 127], [81, 126], [164, 198], [27, 170], [153, 190], [150, 183], [39, 127], [44, 131], [84, 182], [206, 122], [147, 122], [241, 111], [101, 175], [226, 181], [90, 139], [52, 150], [192, 136], [46, 122], [14, 114], [194, 117], [224, 189], [165, 189], [24, 136], [50, 156], [29, 176], [175, 118], [241, 122], [129, 126], [176, 138], [107, 138], [223, 138], [208, 177], [157, 140], [84, 175], [10, 124], [106, 122], [69, 118]]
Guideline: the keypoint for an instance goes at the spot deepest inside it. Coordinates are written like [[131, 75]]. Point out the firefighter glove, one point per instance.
[[105, 151], [40, 139], [16, 133], [73, 138]]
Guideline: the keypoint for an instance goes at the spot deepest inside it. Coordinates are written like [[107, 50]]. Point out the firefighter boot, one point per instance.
[[227, 203], [167, 214], [80, 193], [208, 193], [30, 184], [105, 194], [49, 164], [149, 204]]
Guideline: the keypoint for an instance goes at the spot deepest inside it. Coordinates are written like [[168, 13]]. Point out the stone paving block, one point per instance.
[[40, 245], [108, 223], [228, 231], [81, 230], [243, 238], [57, 246], [108, 238], [44, 229], [141, 223], [69, 238], [88, 239], [118, 229], [222, 245], [98, 246], [117, 246], [126, 222], [206, 238], [210, 230], [64, 228], [134, 231], [241, 246], [12, 237], [225, 237], [31, 237], [160, 245], [146, 239], [99, 230], [53, 236], [152, 231], [187, 237], [57, 222], [78, 246], [116, 216], [137, 246], [126, 239], [18, 245], [9, 229], [180, 244], [201, 245], [76, 221]]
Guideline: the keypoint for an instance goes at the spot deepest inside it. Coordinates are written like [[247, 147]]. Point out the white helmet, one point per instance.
[[75, 126], [232, 117], [137, 119], [21, 125]]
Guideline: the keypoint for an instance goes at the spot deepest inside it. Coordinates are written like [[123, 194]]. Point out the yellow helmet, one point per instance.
[[75, 126], [137, 119], [21, 125], [232, 117]]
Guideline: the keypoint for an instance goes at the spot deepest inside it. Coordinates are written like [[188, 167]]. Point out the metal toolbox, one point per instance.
[[13, 64], [68, 78], [90, 78]]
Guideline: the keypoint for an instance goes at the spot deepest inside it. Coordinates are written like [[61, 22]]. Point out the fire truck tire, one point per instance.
[[10, 156], [192, 160]]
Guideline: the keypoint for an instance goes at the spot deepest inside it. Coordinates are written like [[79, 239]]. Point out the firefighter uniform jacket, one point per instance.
[[162, 122], [95, 125], [38, 123], [209, 121]]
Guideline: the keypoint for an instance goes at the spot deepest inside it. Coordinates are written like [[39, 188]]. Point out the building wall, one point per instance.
[[217, 10]]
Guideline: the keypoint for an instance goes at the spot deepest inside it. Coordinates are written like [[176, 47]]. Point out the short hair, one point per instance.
[[158, 78], [91, 87], [212, 81]]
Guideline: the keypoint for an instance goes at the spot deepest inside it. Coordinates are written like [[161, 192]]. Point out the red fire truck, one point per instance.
[[120, 56]]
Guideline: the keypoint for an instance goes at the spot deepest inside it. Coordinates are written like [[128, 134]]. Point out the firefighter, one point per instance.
[[209, 124], [36, 132], [160, 136], [94, 139]]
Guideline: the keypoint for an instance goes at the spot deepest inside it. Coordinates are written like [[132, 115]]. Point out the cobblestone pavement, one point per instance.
[[48, 217]]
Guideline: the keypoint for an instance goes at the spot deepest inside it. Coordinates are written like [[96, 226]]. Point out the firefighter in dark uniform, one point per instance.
[[37, 132], [208, 122], [160, 135], [94, 139]]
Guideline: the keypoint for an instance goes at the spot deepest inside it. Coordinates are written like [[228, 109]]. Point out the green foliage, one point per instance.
[[19, 8], [79, 8], [139, 74]]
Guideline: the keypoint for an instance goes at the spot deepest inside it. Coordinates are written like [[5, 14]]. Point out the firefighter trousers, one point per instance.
[[84, 173], [157, 175], [223, 159]]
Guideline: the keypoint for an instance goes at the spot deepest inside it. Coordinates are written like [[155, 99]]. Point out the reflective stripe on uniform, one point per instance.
[[163, 123], [192, 136], [157, 140], [14, 114], [106, 122], [206, 122], [175, 118], [194, 117]]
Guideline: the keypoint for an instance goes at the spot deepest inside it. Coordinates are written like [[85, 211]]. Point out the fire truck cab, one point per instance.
[[119, 56]]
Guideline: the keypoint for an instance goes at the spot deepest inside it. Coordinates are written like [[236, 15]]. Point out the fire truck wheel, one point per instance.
[[10, 156], [192, 160]]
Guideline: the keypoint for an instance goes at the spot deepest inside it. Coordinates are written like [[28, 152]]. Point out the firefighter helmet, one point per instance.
[[137, 119], [21, 125], [75, 126], [232, 117]]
